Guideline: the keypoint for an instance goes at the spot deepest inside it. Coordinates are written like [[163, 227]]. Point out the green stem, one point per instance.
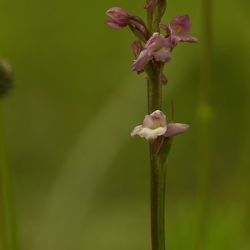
[[157, 166], [158, 173], [8, 227], [154, 91], [158, 162], [154, 15], [160, 148], [2, 163]]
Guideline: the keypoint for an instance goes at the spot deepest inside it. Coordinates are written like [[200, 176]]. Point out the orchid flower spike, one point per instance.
[[155, 125]]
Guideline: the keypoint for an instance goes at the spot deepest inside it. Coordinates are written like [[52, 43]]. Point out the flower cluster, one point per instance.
[[151, 52], [158, 47], [155, 125]]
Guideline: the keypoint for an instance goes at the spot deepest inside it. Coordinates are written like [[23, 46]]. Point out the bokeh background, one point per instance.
[[80, 181]]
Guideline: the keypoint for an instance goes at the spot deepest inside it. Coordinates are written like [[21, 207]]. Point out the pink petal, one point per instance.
[[176, 129], [141, 61]]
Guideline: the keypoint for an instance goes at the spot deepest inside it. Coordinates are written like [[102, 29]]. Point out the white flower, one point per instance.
[[155, 125]]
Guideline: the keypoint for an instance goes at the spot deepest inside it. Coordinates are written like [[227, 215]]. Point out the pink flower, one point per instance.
[[155, 125], [136, 50], [179, 29], [157, 47]]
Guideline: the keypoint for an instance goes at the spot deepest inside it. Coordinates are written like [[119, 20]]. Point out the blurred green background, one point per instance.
[[80, 181]]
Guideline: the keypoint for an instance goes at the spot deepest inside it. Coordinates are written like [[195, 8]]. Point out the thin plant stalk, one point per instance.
[[8, 226], [157, 174], [158, 163], [158, 166], [2, 208]]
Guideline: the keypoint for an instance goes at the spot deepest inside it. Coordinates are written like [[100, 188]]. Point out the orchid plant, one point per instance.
[[152, 51]]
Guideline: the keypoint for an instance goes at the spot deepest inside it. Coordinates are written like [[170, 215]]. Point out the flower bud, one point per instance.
[[119, 16]]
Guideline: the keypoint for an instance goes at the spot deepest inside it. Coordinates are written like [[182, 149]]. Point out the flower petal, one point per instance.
[[136, 130], [114, 25], [155, 120], [151, 134], [164, 55], [141, 61], [176, 129]]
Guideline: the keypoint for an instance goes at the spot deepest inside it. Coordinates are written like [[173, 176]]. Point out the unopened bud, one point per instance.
[[119, 18], [139, 24]]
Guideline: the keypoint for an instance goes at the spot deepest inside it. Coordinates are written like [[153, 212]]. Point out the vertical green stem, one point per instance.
[[8, 229], [205, 119], [154, 91], [158, 173], [157, 166], [2, 163], [157, 170], [158, 162], [157, 156]]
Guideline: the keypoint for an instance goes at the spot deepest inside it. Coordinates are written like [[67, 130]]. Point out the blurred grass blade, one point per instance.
[[7, 216]]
